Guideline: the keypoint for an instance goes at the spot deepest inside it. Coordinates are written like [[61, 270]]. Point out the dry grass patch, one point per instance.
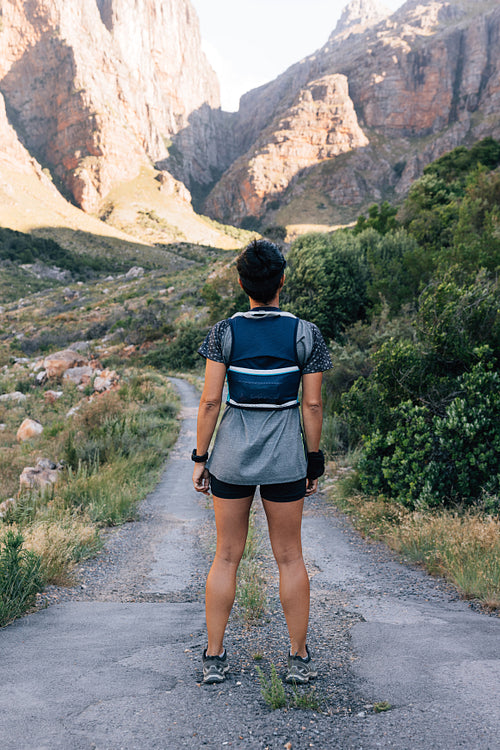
[[464, 548], [60, 544]]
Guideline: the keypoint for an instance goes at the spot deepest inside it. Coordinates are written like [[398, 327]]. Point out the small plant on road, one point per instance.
[[251, 592], [308, 700], [272, 689], [275, 695]]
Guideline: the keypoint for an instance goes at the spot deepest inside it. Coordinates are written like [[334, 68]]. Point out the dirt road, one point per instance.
[[115, 662]]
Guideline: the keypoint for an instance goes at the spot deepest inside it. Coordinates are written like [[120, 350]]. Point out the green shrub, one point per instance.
[[327, 280], [398, 268], [380, 218], [181, 353], [275, 233], [20, 577], [224, 296], [19, 247], [430, 460]]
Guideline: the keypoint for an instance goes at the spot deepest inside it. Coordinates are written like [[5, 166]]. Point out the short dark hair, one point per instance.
[[260, 266]]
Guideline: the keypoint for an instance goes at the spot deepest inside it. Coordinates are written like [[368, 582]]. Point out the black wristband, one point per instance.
[[199, 459], [315, 464]]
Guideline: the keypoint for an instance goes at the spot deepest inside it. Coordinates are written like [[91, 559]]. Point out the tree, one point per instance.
[[326, 281]]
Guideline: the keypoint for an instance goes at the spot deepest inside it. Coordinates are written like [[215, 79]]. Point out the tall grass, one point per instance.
[[113, 451], [464, 547], [20, 577]]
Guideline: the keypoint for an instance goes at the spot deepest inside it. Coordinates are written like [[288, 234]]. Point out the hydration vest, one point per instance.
[[263, 370]]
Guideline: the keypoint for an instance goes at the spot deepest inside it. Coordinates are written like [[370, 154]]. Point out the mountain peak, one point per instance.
[[360, 14]]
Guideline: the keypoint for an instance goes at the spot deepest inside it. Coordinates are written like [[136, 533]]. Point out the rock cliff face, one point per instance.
[[13, 155], [417, 83], [97, 88], [320, 124], [358, 15]]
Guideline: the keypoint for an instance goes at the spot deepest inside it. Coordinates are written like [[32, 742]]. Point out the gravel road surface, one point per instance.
[[114, 663]]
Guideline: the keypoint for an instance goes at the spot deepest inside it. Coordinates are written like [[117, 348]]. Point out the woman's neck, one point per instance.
[[275, 302]]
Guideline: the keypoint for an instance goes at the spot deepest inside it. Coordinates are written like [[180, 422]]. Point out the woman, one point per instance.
[[265, 354]]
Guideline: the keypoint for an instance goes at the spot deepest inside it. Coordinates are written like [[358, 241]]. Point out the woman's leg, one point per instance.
[[231, 519], [284, 521]]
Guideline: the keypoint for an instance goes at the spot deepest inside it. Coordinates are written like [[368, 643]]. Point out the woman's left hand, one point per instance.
[[201, 478]]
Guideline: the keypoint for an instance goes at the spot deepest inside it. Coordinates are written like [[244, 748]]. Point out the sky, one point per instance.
[[250, 43]]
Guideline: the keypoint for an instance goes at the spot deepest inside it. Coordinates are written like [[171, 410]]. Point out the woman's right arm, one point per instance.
[[208, 413]]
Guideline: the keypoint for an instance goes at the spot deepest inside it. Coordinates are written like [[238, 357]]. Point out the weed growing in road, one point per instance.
[[272, 689], [381, 707], [306, 700], [275, 695], [251, 591]]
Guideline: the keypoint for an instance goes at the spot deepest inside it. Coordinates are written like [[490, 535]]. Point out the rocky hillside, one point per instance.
[[95, 89], [357, 121], [113, 105]]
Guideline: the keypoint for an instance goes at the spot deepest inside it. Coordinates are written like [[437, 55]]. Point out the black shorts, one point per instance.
[[285, 492]]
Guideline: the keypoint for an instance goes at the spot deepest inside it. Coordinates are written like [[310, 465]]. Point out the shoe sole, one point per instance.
[[210, 679], [300, 679]]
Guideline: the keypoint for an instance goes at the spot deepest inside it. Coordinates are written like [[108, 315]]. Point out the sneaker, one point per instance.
[[300, 669], [214, 668]]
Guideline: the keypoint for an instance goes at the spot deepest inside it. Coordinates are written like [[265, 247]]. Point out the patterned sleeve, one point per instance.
[[213, 346], [319, 359]]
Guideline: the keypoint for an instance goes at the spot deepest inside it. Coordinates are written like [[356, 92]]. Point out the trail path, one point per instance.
[[115, 662]]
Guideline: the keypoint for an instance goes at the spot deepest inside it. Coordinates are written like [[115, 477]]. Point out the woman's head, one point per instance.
[[261, 266]]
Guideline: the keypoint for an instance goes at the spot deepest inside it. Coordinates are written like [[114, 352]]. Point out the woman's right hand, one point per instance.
[[312, 487], [201, 479]]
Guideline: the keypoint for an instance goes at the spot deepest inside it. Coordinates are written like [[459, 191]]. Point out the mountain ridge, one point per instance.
[[107, 98], [422, 81]]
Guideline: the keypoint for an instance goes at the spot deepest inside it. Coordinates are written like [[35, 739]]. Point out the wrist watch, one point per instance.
[[199, 459]]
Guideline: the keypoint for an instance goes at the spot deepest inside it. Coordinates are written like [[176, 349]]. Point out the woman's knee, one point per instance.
[[229, 554], [288, 554]]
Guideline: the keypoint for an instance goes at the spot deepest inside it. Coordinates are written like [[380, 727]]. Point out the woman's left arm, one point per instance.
[[208, 412], [312, 417]]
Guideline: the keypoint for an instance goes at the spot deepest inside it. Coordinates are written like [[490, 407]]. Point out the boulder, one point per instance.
[[30, 428], [45, 474], [56, 364], [41, 377], [105, 380], [80, 346], [50, 397], [135, 272], [16, 396], [6, 505], [79, 375]]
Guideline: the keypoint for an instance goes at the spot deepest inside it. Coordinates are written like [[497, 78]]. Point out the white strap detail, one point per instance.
[[263, 314], [249, 371], [264, 406]]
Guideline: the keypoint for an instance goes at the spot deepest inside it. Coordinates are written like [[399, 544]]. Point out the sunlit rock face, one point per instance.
[[359, 15], [320, 124], [417, 83], [96, 88]]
